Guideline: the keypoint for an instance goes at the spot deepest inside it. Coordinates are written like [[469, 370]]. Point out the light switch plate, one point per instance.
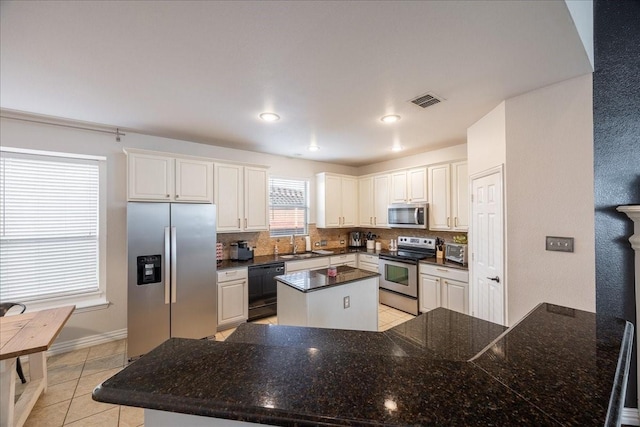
[[561, 244]]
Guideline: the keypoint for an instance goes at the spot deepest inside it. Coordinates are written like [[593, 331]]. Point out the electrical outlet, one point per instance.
[[346, 301], [323, 243], [561, 244]]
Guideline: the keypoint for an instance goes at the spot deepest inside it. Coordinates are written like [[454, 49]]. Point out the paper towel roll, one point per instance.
[[307, 243]]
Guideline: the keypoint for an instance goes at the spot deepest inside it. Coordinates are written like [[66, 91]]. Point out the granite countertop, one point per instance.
[[558, 366], [226, 264], [314, 280]]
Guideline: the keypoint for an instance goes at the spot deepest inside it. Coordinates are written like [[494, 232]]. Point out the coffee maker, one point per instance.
[[356, 239], [240, 251]]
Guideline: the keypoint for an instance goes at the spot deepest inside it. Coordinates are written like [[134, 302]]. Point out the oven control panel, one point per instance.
[[417, 242]]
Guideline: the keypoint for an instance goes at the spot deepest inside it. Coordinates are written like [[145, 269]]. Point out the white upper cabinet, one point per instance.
[[373, 200], [194, 180], [409, 186], [449, 197], [242, 198], [154, 177], [381, 186], [365, 199], [337, 200], [460, 196], [256, 199], [440, 197]]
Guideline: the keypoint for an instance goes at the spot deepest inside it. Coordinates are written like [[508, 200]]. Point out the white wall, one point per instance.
[[581, 12], [51, 138], [549, 156], [443, 155], [487, 142]]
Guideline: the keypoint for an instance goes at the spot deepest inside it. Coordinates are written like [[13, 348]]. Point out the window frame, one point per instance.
[[307, 185], [86, 301]]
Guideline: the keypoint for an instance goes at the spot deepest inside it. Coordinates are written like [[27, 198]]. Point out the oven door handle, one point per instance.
[[415, 216]]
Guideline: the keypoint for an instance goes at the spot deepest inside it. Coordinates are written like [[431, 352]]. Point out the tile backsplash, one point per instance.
[[264, 244]]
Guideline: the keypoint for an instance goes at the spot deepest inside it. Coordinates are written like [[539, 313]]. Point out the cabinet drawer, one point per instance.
[[368, 266], [342, 259], [309, 264], [372, 259], [232, 274], [446, 272]]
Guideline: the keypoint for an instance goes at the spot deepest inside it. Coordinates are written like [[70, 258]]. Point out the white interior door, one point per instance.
[[487, 247]]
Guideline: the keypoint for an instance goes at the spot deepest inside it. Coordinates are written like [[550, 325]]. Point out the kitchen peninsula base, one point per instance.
[[347, 301]]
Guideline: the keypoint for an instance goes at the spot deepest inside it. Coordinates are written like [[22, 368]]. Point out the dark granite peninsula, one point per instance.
[[348, 300], [558, 366]]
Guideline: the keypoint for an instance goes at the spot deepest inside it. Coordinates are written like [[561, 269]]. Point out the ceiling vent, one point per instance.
[[427, 100]]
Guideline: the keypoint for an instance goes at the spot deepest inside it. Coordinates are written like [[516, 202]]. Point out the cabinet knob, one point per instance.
[[177, 195], [168, 195]]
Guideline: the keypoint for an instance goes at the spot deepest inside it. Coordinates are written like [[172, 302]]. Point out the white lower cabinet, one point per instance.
[[344, 259], [307, 264], [443, 287], [368, 262], [233, 297]]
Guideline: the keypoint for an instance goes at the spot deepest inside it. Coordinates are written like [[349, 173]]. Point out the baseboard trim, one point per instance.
[[630, 417], [90, 341]]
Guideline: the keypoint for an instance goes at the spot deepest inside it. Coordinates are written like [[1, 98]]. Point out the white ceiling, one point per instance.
[[203, 71]]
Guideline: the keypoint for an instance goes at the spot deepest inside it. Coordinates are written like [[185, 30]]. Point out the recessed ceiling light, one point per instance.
[[392, 118], [269, 117], [313, 147]]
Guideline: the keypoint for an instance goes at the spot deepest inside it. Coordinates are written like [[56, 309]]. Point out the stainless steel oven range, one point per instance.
[[399, 272]]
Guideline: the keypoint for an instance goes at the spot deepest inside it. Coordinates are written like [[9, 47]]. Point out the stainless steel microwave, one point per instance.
[[412, 215]]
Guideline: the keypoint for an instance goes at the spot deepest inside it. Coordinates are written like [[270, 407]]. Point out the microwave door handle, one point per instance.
[[415, 216]]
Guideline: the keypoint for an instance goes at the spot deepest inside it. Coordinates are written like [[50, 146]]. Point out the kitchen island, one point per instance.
[[313, 298], [558, 366]]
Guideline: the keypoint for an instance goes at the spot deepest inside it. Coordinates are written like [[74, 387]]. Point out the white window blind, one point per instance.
[[49, 222], [288, 207]]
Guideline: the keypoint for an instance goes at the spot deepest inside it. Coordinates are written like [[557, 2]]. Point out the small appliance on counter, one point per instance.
[[456, 252], [356, 239], [240, 251]]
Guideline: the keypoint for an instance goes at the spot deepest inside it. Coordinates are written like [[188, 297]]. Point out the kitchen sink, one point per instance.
[[296, 256]]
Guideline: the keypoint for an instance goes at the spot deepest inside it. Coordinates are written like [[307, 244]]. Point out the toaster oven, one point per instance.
[[456, 252]]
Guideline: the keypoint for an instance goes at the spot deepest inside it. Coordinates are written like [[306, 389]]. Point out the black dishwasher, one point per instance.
[[263, 290]]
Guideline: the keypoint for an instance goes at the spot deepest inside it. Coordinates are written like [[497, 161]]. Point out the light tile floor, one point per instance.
[[73, 376]]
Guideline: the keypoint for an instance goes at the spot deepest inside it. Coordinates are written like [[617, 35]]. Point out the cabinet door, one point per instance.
[[233, 302], [429, 293], [365, 198], [381, 184], [439, 198], [398, 193], [150, 177], [256, 199], [228, 196], [349, 202], [455, 295], [417, 185], [194, 181], [333, 201], [460, 196]]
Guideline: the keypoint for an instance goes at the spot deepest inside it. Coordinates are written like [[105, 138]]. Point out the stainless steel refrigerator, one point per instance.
[[171, 273]]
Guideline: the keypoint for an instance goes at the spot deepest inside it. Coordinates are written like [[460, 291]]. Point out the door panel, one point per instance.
[[487, 243], [193, 314], [147, 313]]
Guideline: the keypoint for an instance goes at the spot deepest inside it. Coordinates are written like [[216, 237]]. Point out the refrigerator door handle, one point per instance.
[[167, 266], [174, 271]]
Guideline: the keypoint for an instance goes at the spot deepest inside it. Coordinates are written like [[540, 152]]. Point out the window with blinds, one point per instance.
[[288, 207], [49, 222]]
